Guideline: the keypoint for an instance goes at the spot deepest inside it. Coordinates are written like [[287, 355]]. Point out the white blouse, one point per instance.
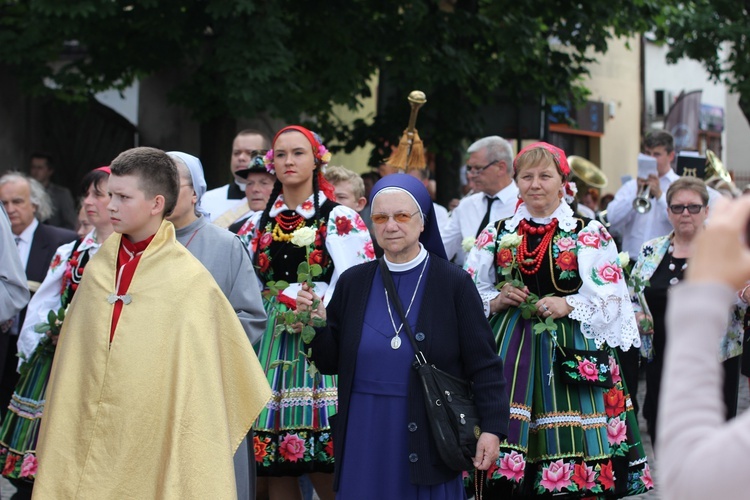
[[602, 304], [346, 249]]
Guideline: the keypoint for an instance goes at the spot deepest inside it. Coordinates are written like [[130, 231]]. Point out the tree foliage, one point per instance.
[[715, 33], [297, 59]]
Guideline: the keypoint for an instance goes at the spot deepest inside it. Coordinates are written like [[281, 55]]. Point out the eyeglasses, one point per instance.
[[692, 208], [401, 217], [258, 152], [477, 170]]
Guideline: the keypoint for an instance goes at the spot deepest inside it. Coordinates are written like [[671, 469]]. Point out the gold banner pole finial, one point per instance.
[[410, 151]]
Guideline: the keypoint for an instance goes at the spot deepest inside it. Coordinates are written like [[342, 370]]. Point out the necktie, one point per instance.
[[486, 219], [18, 240]]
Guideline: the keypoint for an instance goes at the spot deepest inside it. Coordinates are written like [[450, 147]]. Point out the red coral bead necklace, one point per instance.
[[530, 262]]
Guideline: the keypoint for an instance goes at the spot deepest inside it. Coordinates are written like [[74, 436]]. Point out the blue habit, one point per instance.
[[375, 463]]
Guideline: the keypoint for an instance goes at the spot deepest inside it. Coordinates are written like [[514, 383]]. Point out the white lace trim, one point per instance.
[[607, 319], [514, 410], [487, 297], [598, 421], [563, 213]]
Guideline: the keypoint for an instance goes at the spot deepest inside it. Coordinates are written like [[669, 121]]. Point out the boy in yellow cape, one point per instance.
[[154, 383]]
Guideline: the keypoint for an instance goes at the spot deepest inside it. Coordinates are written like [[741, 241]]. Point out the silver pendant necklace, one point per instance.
[[396, 340], [674, 280]]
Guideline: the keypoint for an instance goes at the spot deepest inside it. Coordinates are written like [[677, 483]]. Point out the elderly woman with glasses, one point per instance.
[[553, 287], [382, 438], [661, 265]]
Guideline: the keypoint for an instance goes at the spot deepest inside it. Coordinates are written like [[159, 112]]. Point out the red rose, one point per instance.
[[343, 225], [263, 262], [307, 206], [369, 250], [607, 476], [10, 464], [260, 448], [567, 261], [329, 448], [265, 240], [584, 476], [504, 257], [320, 236], [614, 402], [56, 261], [316, 257]]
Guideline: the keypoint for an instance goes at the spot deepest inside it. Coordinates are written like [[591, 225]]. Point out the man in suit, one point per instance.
[[64, 214], [228, 204], [490, 170], [26, 202]]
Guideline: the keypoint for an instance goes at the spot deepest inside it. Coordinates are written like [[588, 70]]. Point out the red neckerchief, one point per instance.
[[127, 260]]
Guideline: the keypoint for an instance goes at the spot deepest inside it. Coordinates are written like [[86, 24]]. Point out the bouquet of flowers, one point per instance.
[[510, 271], [292, 320]]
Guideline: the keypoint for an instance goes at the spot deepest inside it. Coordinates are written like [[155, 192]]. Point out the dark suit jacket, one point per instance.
[[458, 340], [65, 214], [45, 243]]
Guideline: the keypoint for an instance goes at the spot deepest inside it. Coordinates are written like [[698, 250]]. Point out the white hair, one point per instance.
[[38, 195], [498, 149]]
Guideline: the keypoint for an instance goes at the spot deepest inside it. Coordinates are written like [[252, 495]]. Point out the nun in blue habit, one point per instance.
[[382, 443]]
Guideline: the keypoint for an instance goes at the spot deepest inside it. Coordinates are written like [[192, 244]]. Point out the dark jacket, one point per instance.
[[44, 244], [458, 340]]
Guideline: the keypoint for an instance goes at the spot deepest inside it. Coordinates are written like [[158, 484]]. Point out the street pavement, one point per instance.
[[7, 489]]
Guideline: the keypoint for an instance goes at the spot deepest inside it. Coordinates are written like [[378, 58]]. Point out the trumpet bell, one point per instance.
[[587, 171], [642, 205]]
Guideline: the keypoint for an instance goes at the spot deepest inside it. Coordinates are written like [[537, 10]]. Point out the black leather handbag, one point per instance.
[[449, 400]]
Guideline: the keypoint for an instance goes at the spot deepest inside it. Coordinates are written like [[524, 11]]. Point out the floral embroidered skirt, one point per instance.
[[567, 440], [20, 428], [292, 433]]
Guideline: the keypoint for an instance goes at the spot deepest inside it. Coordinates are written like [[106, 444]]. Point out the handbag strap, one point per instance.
[[390, 289]]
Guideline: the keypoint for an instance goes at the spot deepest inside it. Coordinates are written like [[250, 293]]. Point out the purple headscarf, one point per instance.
[[430, 237]]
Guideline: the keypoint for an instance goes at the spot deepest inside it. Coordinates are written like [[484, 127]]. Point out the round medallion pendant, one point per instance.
[[395, 342]]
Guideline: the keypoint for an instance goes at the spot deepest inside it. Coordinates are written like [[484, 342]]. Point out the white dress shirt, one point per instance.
[[441, 217], [24, 244], [465, 218], [216, 202]]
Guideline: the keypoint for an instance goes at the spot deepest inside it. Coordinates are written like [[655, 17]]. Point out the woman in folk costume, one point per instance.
[[20, 428], [561, 308], [292, 434]]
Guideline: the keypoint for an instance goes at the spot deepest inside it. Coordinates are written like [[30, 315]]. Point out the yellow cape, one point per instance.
[[160, 412]]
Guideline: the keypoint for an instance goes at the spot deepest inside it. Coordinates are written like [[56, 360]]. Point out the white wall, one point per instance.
[[687, 75]]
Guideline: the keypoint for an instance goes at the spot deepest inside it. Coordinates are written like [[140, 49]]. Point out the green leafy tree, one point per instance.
[[295, 59], [700, 29]]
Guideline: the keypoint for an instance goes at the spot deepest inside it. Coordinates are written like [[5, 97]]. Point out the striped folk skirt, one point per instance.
[[292, 433], [23, 419], [563, 440]]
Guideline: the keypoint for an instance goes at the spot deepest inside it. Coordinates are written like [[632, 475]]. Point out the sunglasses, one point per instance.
[[258, 152], [476, 169], [401, 217], [692, 208]]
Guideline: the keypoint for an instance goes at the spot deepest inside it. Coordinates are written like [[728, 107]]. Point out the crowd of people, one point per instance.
[[242, 342]]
